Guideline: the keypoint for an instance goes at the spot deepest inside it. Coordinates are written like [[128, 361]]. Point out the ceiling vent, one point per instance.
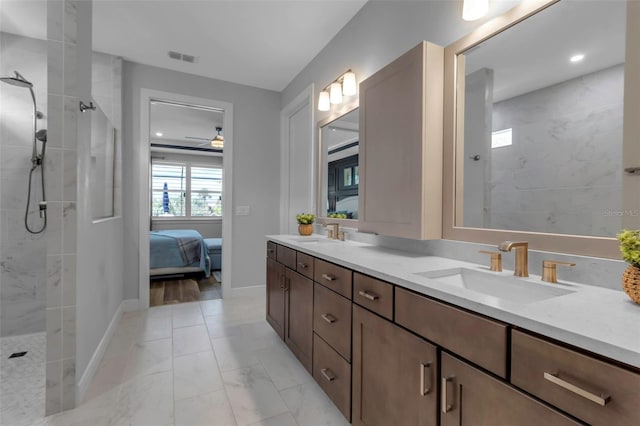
[[182, 56]]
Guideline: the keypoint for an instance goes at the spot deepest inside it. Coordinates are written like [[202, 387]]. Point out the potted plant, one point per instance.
[[630, 250], [305, 223]]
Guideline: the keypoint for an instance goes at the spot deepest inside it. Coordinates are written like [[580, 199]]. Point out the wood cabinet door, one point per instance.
[[401, 123], [298, 333], [471, 397], [275, 296], [394, 374]]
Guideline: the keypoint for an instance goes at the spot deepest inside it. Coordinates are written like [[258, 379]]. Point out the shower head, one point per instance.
[[41, 135], [18, 80]]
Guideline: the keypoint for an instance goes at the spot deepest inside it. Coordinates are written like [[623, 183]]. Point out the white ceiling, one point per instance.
[[261, 43], [179, 124]]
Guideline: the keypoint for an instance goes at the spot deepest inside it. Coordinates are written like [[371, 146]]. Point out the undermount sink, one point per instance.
[[508, 288]]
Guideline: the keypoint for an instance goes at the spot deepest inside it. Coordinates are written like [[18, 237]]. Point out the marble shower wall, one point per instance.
[[23, 268], [62, 229], [563, 173]]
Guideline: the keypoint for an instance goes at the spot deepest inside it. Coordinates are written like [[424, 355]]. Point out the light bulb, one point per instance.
[[474, 9], [349, 86], [335, 93], [323, 101]]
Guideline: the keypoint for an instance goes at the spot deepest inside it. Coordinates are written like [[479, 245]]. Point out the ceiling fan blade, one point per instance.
[[196, 138]]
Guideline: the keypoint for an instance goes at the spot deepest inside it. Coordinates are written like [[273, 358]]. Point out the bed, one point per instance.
[[177, 251]]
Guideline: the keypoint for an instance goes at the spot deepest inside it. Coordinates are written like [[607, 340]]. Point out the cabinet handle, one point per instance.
[[303, 265], [445, 406], [282, 278], [328, 318], [270, 251], [287, 284], [328, 277], [328, 374], [368, 295], [424, 389], [598, 399]]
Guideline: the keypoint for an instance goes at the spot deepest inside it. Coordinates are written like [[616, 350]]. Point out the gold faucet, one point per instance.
[[333, 233], [522, 259], [549, 271]]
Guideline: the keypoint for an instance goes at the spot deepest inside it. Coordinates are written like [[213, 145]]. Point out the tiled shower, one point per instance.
[[37, 272]]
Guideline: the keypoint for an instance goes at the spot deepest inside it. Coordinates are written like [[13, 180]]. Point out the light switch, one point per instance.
[[243, 210]]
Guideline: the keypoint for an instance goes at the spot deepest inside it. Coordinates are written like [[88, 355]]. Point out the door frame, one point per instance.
[[304, 98], [144, 173]]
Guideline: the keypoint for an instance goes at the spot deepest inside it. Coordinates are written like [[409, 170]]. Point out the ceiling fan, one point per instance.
[[216, 142]]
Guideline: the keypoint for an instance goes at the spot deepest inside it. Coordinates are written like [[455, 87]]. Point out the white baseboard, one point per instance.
[[83, 384], [251, 291]]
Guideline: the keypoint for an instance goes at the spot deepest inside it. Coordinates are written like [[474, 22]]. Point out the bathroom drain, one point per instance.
[[17, 354]]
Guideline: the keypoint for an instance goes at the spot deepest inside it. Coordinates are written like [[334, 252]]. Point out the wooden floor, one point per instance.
[[184, 289]]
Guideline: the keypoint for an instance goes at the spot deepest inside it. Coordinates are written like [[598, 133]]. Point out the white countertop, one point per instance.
[[597, 319]]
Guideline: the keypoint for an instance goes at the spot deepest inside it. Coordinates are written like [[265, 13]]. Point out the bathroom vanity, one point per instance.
[[392, 339]]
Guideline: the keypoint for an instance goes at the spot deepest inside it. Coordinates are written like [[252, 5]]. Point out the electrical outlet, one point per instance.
[[243, 210]]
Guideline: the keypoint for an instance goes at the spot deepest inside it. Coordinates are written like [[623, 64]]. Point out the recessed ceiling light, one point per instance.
[[577, 58], [159, 134]]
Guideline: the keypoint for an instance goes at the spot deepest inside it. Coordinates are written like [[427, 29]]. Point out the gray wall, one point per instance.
[[380, 32], [256, 164], [563, 172]]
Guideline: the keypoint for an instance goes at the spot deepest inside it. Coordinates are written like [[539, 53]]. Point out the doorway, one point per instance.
[[185, 198]]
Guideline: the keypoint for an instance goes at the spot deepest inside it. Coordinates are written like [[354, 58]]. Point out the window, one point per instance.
[[183, 190], [501, 138]]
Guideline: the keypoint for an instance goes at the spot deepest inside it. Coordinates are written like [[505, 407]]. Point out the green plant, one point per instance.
[[630, 246], [305, 218], [337, 215]]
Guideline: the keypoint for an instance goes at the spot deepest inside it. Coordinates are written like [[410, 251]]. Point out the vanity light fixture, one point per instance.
[[333, 93], [576, 58], [474, 9], [323, 101]]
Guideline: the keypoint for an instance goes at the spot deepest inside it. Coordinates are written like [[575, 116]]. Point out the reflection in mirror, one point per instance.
[[543, 115], [339, 142]]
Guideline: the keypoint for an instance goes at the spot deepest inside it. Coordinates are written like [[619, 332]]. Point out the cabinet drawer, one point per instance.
[[473, 337], [333, 276], [373, 294], [574, 382], [469, 397], [286, 256], [304, 264], [271, 250], [332, 319], [333, 374]]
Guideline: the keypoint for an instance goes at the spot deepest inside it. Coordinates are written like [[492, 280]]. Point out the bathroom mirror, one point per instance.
[[338, 176], [534, 131]]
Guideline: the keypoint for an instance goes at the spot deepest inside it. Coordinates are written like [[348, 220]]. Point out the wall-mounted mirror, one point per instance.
[[338, 176], [536, 103]]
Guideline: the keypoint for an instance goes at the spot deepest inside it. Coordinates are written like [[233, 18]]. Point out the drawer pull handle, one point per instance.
[[424, 388], [328, 277], [282, 278], [303, 265], [270, 251], [445, 406], [598, 399], [368, 295], [328, 318], [327, 374]]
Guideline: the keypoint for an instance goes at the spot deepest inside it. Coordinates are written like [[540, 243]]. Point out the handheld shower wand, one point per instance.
[[37, 160]]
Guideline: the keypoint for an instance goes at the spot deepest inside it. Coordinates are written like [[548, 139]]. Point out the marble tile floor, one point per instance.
[[22, 380], [214, 362]]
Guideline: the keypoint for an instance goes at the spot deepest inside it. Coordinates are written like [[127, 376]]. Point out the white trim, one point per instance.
[[89, 372], [143, 160], [251, 291], [304, 98]]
